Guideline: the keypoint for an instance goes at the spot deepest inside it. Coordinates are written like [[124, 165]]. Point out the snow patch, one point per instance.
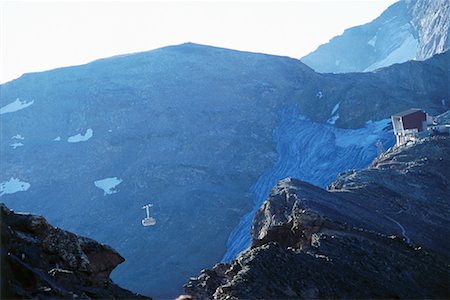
[[406, 51], [333, 119], [334, 116], [15, 106], [108, 185], [15, 145], [335, 108], [81, 137], [18, 137], [372, 41], [13, 185]]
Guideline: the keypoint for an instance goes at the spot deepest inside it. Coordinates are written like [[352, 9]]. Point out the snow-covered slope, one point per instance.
[[407, 30], [405, 51]]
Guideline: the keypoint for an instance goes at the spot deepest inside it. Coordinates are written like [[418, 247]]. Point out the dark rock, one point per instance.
[[409, 184], [42, 261], [377, 233]]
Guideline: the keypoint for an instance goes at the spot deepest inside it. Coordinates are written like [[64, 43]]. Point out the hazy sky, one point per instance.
[[37, 36]]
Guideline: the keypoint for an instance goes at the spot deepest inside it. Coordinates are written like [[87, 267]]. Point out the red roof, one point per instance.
[[412, 118], [407, 112]]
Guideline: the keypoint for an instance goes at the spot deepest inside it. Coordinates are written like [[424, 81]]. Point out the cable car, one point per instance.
[[148, 221]]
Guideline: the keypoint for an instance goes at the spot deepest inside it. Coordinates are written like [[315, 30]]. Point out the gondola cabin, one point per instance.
[[148, 220]]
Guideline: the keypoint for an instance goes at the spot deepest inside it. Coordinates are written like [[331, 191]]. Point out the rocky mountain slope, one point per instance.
[[408, 29], [431, 20], [203, 133], [375, 233], [41, 261]]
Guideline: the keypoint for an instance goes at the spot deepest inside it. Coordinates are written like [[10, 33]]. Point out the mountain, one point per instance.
[[201, 132], [41, 261], [407, 30], [379, 232], [431, 20]]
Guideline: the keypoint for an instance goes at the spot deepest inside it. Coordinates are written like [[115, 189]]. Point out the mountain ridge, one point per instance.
[[407, 30], [191, 130], [371, 234]]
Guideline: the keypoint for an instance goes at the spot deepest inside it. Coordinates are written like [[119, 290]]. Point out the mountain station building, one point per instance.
[[414, 123], [410, 124]]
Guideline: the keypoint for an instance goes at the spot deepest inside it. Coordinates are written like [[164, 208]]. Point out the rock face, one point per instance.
[[414, 183], [42, 261], [431, 20], [355, 97], [189, 128], [376, 233], [409, 29]]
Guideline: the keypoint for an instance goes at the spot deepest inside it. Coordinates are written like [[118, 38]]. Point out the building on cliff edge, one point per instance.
[[414, 123]]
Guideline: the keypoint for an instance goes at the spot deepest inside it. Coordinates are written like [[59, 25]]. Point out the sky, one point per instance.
[[37, 35]]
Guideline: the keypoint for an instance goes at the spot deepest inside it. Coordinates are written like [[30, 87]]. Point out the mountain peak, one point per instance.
[[406, 30]]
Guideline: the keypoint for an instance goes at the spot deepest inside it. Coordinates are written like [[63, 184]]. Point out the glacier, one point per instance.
[[313, 152]]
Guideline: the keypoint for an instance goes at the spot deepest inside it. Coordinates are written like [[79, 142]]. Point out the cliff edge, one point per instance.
[[375, 233], [42, 261]]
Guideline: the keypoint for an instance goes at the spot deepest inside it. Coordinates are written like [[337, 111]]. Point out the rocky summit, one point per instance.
[[407, 30], [375, 233], [41, 261]]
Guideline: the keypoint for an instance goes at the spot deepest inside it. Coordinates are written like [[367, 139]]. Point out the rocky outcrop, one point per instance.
[[410, 185], [42, 261], [375, 233], [408, 29], [341, 263], [354, 98], [431, 20]]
